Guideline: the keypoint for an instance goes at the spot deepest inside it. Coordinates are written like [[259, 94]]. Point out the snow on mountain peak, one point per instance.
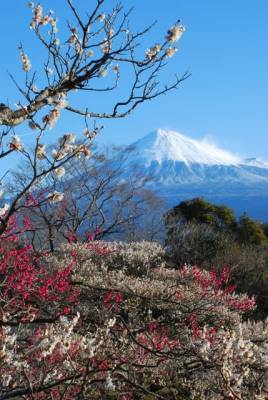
[[255, 162], [169, 145]]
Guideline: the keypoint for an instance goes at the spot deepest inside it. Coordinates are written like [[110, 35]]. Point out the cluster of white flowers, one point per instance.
[[153, 51], [37, 14], [170, 51], [238, 352], [15, 143], [60, 172], [59, 339], [41, 151], [4, 209], [63, 152], [175, 33], [49, 71], [103, 72], [201, 341], [109, 383], [60, 101], [40, 19], [55, 197], [26, 64], [8, 351], [73, 38], [67, 138], [62, 334], [58, 155], [137, 258], [106, 46], [67, 147], [89, 134], [237, 356], [52, 117], [83, 150]]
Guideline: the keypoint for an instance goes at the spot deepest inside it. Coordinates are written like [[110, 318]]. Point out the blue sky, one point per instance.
[[224, 47]]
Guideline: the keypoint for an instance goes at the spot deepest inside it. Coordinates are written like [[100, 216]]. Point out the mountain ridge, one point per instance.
[[182, 168], [171, 145]]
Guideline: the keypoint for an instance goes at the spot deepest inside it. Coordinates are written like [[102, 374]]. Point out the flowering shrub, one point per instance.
[[136, 258], [83, 324]]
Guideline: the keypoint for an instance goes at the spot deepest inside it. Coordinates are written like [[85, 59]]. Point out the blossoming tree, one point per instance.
[[109, 320], [77, 60]]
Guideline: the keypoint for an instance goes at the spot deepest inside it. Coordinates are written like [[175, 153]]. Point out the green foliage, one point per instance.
[[250, 231], [201, 233], [198, 210], [201, 211]]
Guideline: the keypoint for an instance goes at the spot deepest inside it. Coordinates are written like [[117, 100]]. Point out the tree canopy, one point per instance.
[[219, 217]]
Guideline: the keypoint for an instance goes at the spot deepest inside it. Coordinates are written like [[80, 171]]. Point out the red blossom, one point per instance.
[[113, 300], [71, 237]]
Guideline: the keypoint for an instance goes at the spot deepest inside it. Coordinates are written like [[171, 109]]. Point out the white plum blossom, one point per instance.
[[109, 383], [54, 154], [171, 51], [26, 64], [153, 51], [4, 209], [89, 134], [45, 20], [175, 33], [41, 151], [106, 46], [37, 15], [15, 143], [82, 149], [73, 38], [52, 117], [55, 197], [61, 100], [49, 71], [67, 138], [60, 172], [103, 72]]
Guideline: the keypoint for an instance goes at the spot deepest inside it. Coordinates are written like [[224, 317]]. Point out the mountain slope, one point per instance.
[[176, 159], [183, 168], [164, 145]]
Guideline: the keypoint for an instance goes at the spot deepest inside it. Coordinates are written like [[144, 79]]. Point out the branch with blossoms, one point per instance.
[[170, 334], [92, 50], [84, 57], [41, 163]]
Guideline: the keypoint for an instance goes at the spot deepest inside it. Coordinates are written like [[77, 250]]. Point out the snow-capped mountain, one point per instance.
[[182, 167], [165, 145]]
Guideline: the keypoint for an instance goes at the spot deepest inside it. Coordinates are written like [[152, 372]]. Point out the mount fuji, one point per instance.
[[183, 168]]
